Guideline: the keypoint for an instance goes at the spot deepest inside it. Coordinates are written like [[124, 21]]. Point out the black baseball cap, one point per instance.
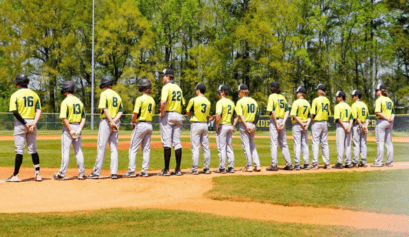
[[243, 87], [356, 92], [275, 84], [340, 94], [223, 88], [301, 89], [167, 71], [321, 87], [380, 87], [200, 86]]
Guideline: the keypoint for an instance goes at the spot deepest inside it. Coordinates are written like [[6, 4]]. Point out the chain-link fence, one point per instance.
[[51, 121]]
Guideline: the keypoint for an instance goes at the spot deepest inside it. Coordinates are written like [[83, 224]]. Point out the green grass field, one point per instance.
[[122, 222], [377, 191], [50, 154]]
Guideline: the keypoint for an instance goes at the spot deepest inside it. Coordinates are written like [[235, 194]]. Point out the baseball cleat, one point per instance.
[[143, 174], [81, 177], [354, 165], [194, 172], [38, 177], [164, 173], [389, 165], [297, 167], [272, 168], [338, 166], [129, 174], [176, 172], [328, 166], [288, 167], [57, 177], [93, 176], [306, 167], [247, 169], [315, 167], [375, 165], [219, 171], [348, 166], [256, 169], [114, 176], [362, 165], [206, 171], [230, 170], [13, 178]]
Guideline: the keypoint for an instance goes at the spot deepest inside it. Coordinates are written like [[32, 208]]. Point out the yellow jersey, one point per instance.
[[200, 108], [385, 106], [111, 101], [225, 107], [320, 108], [145, 108], [72, 109], [247, 107], [172, 94], [360, 111], [301, 109], [25, 101], [278, 104], [343, 111]]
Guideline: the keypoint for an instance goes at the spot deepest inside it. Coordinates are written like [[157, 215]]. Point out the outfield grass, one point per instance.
[[377, 191], [122, 222], [50, 154]]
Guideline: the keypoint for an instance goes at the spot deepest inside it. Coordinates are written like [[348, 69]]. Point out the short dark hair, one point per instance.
[[202, 90], [275, 90]]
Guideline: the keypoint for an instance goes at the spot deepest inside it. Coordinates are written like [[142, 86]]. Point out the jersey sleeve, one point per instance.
[[13, 103], [83, 113], [294, 109], [286, 107], [337, 113], [183, 98], [219, 108], [138, 104], [63, 110], [329, 108], [378, 106], [38, 103], [189, 106], [121, 107], [393, 108], [102, 101], [270, 104], [165, 93], [354, 111], [239, 110]]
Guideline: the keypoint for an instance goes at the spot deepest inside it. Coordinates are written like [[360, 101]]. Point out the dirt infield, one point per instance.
[[85, 137], [154, 145], [175, 193]]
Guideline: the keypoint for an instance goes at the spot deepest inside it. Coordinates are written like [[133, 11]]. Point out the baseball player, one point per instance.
[[26, 107], [171, 120], [360, 113], [247, 112], [301, 119], [142, 128], [110, 104], [320, 110], [344, 120], [224, 130], [198, 109], [278, 108], [72, 114], [385, 114]]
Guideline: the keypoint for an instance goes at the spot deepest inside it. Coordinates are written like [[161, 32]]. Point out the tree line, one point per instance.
[[345, 44]]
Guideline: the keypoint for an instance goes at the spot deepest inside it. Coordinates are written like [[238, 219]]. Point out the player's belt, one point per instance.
[[144, 121], [75, 123], [171, 112], [197, 122]]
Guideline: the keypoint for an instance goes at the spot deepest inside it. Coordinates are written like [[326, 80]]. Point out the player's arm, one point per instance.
[[312, 111], [189, 111], [37, 117], [19, 118], [392, 115], [218, 117], [83, 119], [119, 114], [164, 99], [287, 113]]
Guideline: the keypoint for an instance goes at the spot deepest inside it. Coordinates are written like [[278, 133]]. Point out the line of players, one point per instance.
[[26, 107]]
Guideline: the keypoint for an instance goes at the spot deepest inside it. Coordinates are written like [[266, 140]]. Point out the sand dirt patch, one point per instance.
[[175, 193]]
